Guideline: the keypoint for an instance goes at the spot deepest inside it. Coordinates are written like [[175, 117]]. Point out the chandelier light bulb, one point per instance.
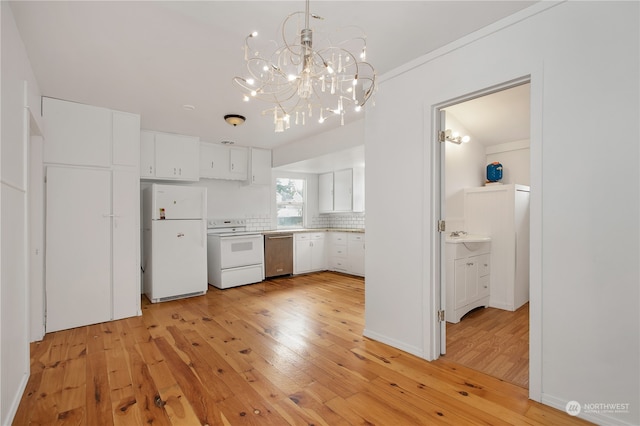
[[309, 68]]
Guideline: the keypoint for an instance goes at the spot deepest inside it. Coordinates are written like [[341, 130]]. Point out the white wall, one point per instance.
[[515, 159], [464, 165], [19, 90], [344, 137], [583, 60]]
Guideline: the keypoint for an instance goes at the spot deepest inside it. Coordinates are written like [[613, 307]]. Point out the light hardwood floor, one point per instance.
[[286, 351], [493, 341]]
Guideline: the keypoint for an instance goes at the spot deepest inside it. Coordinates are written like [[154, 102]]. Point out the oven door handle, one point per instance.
[[241, 237]]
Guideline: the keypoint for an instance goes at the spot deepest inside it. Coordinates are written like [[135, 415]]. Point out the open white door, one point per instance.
[[441, 126]]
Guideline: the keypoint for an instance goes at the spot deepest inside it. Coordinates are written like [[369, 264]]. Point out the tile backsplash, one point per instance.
[[262, 222], [338, 220]]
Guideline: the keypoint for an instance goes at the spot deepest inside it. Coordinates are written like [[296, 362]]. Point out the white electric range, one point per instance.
[[235, 256]]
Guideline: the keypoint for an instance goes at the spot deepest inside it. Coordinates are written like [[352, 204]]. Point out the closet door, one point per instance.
[[78, 247], [126, 248]]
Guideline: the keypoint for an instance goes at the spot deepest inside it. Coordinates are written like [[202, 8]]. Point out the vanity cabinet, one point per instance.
[[467, 278]]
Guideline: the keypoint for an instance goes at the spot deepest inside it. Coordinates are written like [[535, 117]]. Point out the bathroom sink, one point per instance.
[[470, 241]]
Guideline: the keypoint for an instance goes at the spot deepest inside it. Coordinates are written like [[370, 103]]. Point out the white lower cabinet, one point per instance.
[[309, 252], [346, 252], [338, 260], [355, 249], [467, 278]]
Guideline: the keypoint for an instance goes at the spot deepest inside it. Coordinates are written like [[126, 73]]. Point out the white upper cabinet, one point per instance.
[[341, 191], [147, 155], [76, 134], [260, 167], [126, 133], [238, 163], [223, 162], [167, 156], [214, 161], [325, 192], [177, 157]]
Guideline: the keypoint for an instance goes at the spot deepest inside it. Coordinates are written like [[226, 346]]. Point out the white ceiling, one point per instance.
[[153, 57], [497, 118]]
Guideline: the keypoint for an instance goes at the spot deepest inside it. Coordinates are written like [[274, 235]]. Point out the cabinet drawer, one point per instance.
[[339, 251], [338, 264], [302, 237], [356, 238], [338, 237]]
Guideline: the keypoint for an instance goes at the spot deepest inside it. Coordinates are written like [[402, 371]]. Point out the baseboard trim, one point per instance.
[[413, 350]]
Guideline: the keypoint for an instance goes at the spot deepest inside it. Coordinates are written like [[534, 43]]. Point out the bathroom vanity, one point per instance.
[[467, 274]]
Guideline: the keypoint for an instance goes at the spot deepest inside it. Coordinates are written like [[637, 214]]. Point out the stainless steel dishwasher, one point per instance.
[[278, 254]]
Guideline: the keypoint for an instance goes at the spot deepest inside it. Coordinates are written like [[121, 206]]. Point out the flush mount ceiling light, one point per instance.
[[234, 119], [451, 136], [301, 79]]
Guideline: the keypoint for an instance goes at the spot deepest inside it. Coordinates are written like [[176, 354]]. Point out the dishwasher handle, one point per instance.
[[280, 237]]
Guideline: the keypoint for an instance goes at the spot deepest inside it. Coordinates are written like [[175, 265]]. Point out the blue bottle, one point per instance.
[[494, 172]]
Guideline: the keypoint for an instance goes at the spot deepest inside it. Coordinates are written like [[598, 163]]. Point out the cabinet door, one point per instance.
[[147, 155], [318, 255], [260, 167], [126, 138], [77, 134], [126, 243], [325, 192], [177, 157], [302, 255], [238, 163], [342, 187], [78, 247], [473, 267], [356, 254], [460, 283], [214, 161]]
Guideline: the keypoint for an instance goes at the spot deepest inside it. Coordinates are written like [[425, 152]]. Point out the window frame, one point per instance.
[[301, 204]]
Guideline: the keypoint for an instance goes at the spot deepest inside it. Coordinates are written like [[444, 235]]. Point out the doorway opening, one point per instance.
[[484, 250]]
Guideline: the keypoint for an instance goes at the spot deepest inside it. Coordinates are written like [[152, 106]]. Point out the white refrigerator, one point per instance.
[[174, 242]]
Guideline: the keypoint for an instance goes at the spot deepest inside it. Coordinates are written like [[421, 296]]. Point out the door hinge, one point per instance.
[[441, 315], [441, 225]]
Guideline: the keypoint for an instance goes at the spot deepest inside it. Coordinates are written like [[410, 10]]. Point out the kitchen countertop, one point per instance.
[[299, 230]]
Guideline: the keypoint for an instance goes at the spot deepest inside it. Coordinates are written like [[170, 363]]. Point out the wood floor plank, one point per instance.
[[287, 351], [494, 341]]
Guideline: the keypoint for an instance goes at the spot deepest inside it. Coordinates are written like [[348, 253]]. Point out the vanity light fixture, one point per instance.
[[234, 119], [451, 136]]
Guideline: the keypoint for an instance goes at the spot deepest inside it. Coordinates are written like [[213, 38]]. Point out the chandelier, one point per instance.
[[306, 80]]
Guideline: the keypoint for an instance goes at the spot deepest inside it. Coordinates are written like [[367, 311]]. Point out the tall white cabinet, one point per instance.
[[502, 212], [91, 160]]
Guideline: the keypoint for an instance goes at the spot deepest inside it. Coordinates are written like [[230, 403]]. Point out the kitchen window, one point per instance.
[[290, 202]]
